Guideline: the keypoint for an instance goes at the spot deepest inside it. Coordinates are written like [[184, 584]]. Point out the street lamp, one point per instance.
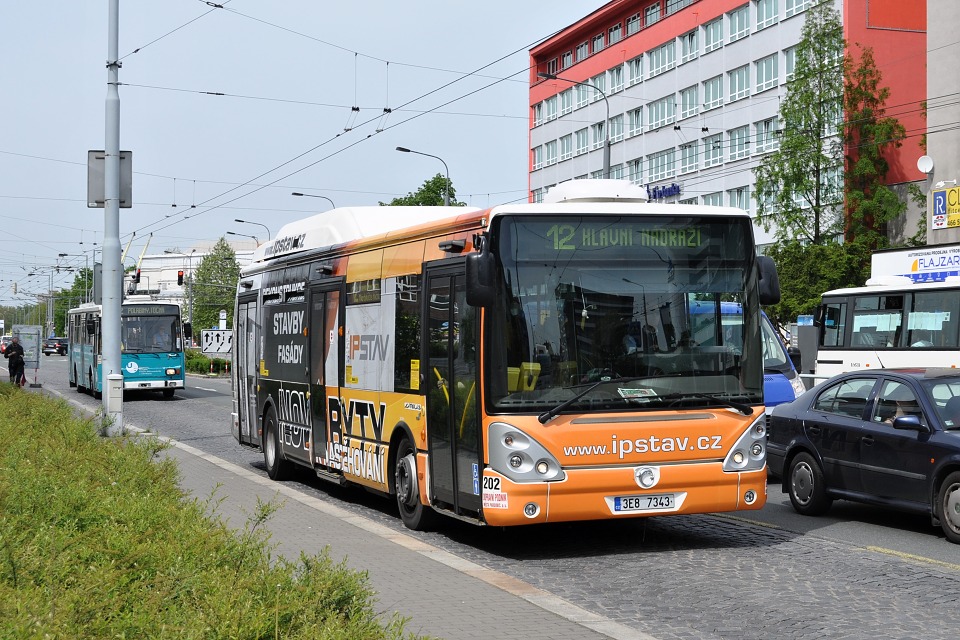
[[310, 195], [446, 186], [243, 235], [269, 235], [606, 126]]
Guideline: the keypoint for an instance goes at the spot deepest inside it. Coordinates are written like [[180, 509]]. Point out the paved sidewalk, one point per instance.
[[444, 596]]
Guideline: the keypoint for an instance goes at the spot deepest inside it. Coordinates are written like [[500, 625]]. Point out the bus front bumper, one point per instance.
[[156, 385], [607, 493]]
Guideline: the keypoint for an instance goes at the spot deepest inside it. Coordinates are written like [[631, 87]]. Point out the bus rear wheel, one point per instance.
[[414, 514], [277, 467]]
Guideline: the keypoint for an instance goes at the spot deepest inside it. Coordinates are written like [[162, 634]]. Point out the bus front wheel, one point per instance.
[[277, 467], [168, 393], [414, 514]]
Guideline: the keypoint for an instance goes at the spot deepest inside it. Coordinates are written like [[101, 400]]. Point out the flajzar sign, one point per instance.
[[216, 341]]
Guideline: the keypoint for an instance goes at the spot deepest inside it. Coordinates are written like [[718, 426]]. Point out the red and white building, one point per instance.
[[693, 87]]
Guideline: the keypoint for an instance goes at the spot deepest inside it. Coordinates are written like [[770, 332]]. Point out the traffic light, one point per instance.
[[136, 277], [180, 278]]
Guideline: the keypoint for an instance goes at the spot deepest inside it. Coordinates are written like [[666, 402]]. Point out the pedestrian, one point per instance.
[[14, 356]]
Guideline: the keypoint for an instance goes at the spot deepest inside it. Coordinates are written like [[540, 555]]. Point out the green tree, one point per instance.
[[214, 286], [429, 194], [798, 187], [79, 292], [868, 133]]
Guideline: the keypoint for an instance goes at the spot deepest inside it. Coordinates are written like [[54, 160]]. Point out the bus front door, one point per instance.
[[450, 384], [325, 374]]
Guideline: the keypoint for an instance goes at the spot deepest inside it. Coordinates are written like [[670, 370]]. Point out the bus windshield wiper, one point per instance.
[[547, 416], [740, 407]]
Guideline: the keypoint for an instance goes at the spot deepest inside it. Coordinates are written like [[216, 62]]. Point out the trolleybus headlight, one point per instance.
[[519, 457], [748, 452], [172, 371]]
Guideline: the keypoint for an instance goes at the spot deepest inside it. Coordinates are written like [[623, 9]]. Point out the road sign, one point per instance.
[[216, 341]]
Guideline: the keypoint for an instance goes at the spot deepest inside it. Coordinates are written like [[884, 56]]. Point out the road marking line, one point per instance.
[[205, 389], [915, 558]]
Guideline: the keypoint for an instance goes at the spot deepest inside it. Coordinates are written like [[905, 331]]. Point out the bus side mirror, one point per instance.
[[481, 270], [91, 327], [769, 280], [187, 330]]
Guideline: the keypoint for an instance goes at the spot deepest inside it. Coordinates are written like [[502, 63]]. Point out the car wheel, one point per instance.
[[948, 507], [414, 514], [808, 490], [277, 467]]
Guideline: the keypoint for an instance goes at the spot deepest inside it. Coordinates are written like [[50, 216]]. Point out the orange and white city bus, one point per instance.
[[522, 364]]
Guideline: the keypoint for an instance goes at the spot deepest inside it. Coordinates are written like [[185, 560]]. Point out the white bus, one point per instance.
[[891, 322]]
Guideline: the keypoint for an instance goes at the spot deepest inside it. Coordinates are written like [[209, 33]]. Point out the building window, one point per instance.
[[566, 60], [583, 50], [566, 102], [713, 93], [635, 169], [537, 157], [566, 147], [582, 141], [766, 13], [616, 172], [635, 121], [537, 195], [790, 62], [739, 142], [651, 14], [767, 138], [662, 165], [739, 20], [550, 109], [633, 24], [598, 135], [600, 86], [689, 102], [552, 66], [538, 114], [712, 150], [616, 128], [739, 83], [635, 67], [583, 95], [713, 199], [550, 153], [597, 43], [833, 117], [662, 112], [767, 72], [662, 59], [713, 35], [689, 47], [614, 34], [689, 201], [597, 175], [688, 157], [616, 78], [675, 5], [793, 7], [739, 198]]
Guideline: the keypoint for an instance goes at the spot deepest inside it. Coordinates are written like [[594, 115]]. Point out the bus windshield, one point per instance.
[[150, 334], [632, 302]]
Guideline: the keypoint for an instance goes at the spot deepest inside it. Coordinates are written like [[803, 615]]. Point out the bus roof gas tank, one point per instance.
[[596, 191]]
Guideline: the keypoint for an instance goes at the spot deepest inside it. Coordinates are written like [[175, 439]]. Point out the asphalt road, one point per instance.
[[858, 572]]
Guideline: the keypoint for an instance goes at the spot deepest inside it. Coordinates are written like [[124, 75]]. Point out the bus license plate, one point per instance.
[[643, 503]]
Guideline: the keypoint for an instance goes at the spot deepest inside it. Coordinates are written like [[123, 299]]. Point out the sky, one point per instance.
[[452, 74]]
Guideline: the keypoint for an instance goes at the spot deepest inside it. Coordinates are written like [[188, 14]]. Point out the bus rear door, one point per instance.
[[245, 363], [325, 371], [450, 384]]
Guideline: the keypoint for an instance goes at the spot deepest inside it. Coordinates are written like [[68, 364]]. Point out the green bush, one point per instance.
[[98, 541], [199, 363]]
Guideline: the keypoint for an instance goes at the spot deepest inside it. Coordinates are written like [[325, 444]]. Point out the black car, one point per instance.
[[888, 437], [55, 345]]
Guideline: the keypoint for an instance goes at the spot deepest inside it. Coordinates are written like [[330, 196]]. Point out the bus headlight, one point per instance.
[[519, 457], [173, 371], [750, 451]]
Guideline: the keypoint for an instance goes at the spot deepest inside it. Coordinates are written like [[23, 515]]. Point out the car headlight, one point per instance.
[[750, 451], [519, 457]]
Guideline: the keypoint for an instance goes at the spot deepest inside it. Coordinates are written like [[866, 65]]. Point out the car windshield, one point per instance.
[[628, 301]]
